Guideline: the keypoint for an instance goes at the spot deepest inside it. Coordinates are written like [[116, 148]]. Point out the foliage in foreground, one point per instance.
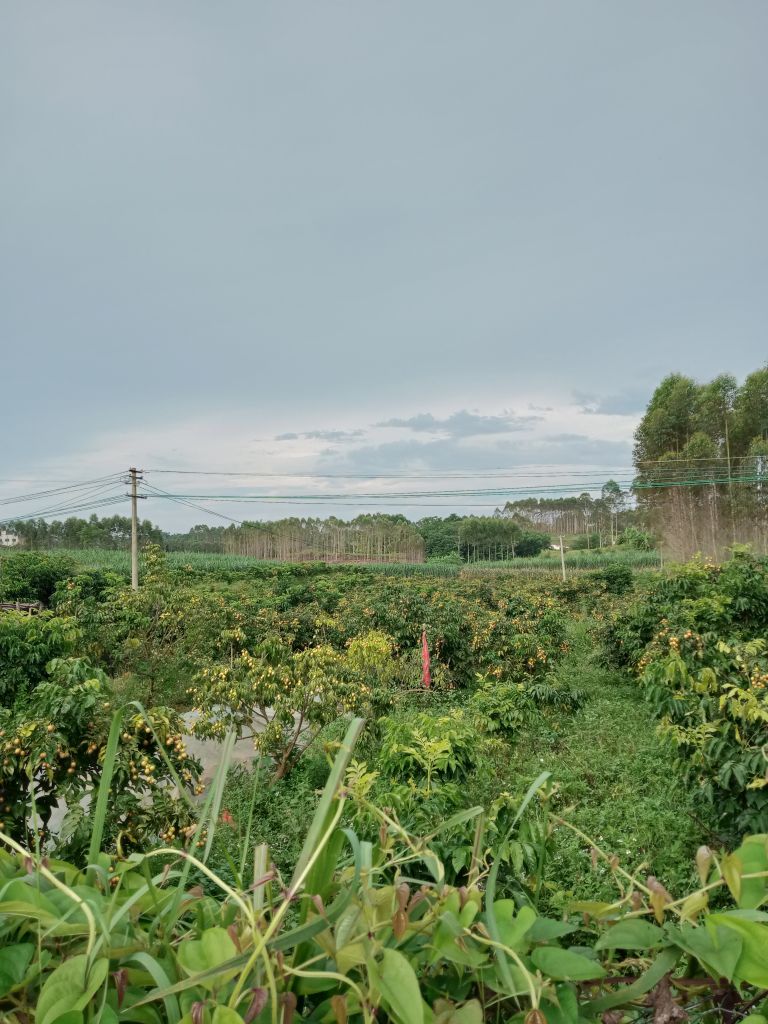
[[698, 643], [368, 931], [56, 713]]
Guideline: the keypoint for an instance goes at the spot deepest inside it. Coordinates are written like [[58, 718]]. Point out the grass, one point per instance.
[[617, 781], [550, 561]]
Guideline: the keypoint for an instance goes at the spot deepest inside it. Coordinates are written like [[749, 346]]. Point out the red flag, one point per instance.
[[426, 678]]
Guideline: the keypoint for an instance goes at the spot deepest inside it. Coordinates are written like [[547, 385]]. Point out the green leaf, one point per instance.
[[457, 819], [223, 1015], [470, 1013], [566, 1009], [631, 933], [18, 891], [214, 948], [13, 967], [105, 784], [399, 987], [753, 858], [448, 945], [70, 987], [512, 925], [544, 930], [717, 949], [753, 962], [107, 1016], [562, 965], [325, 808], [161, 979], [731, 869], [592, 908]]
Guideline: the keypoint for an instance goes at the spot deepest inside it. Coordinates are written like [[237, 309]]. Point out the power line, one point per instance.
[[159, 493], [86, 507], [519, 471], [50, 492], [85, 499], [346, 496]]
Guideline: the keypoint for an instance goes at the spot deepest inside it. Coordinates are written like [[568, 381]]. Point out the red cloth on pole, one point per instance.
[[426, 678]]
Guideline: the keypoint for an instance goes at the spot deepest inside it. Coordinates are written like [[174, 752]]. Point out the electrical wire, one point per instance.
[[33, 496], [157, 492], [387, 495], [88, 497], [431, 475], [86, 507], [521, 470]]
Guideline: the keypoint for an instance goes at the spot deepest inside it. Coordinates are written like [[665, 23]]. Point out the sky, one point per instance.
[[366, 247]]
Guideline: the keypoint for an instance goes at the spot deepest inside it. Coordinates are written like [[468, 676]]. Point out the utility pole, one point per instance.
[[134, 476], [562, 556], [730, 482]]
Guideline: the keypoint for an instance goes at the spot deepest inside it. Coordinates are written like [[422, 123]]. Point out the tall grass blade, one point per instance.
[[105, 785], [324, 812], [490, 914], [260, 867]]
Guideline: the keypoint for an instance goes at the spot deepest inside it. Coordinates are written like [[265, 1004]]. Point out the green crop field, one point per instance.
[[119, 561], [456, 761]]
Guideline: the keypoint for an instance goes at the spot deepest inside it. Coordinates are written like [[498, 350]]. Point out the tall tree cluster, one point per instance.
[[368, 538], [603, 518], [701, 455]]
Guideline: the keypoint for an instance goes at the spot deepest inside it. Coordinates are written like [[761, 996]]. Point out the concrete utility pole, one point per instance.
[[562, 556], [134, 475]]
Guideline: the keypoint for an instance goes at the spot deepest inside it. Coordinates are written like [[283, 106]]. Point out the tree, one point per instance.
[[668, 420], [614, 501], [750, 409], [714, 408]]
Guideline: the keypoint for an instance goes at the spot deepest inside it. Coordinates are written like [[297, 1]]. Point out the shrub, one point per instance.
[[279, 698], [506, 707], [54, 746], [33, 575], [636, 539], [27, 644], [696, 641], [350, 938]]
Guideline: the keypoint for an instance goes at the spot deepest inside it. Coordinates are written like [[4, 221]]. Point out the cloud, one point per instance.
[[462, 423], [625, 403], [452, 455], [323, 435]]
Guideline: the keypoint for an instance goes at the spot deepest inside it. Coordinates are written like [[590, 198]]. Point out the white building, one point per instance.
[[8, 540]]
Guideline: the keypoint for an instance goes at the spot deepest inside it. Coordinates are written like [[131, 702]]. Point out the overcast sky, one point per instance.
[[369, 238]]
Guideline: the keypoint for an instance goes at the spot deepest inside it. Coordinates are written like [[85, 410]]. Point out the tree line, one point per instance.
[[367, 538], [111, 532], [701, 485], [600, 521], [701, 456]]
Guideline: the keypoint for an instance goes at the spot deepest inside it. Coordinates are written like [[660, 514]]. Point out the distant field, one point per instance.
[[119, 561], [577, 560]]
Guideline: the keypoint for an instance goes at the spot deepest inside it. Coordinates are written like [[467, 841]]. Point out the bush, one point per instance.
[[636, 539], [585, 542], [428, 747], [33, 576], [54, 746], [281, 698], [696, 641], [616, 579], [27, 644]]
